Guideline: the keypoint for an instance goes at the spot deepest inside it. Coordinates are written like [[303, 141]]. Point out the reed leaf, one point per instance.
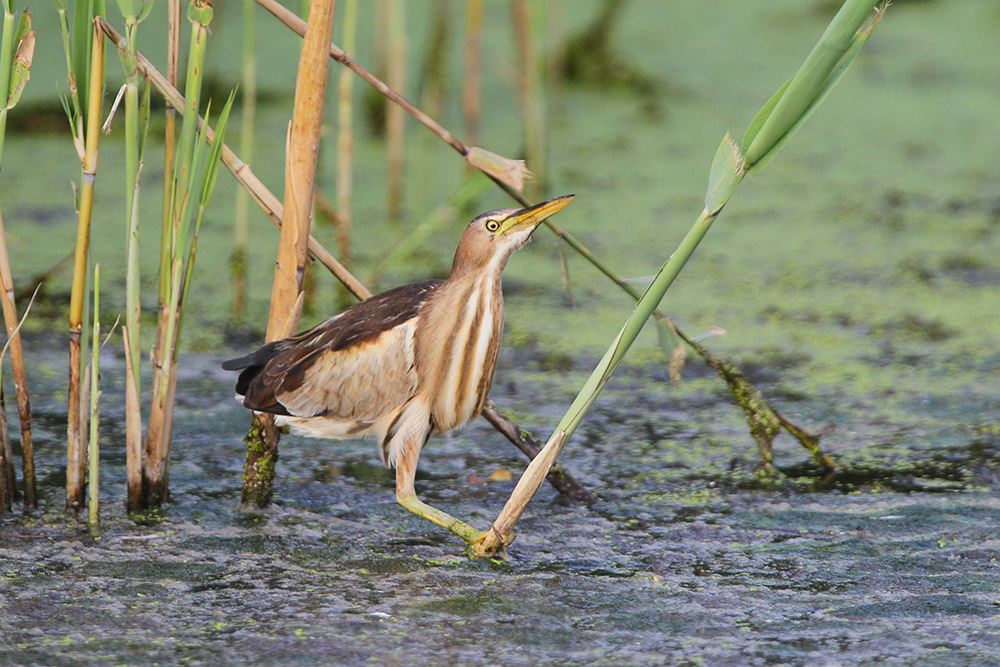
[[850, 54], [784, 114], [20, 69]]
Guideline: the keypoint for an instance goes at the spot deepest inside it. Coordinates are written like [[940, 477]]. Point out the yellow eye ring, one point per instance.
[[492, 225]]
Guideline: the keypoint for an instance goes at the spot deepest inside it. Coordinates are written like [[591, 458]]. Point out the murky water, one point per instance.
[[684, 558], [856, 279]]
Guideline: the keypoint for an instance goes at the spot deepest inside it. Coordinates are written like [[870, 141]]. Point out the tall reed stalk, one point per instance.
[[248, 99], [17, 47], [300, 175], [170, 150], [136, 122], [8, 481], [773, 125], [76, 455]]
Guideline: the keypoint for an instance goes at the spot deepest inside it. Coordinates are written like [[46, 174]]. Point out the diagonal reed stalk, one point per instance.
[[16, 52], [75, 455], [768, 132], [300, 174], [274, 210], [509, 179]]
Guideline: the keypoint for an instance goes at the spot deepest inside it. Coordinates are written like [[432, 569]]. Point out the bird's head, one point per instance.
[[491, 238]]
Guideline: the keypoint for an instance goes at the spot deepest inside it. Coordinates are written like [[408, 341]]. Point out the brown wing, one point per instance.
[[354, 366]]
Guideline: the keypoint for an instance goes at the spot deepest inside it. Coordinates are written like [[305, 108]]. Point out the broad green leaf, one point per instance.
[[811, 76], [838, 71]]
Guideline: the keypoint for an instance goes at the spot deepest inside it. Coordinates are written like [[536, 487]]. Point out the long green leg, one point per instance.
[[460, 528]]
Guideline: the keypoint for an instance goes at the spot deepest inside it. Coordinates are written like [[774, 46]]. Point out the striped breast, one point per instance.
[[457, 345]]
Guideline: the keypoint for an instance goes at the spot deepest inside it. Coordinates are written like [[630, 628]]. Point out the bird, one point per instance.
[[403, 365]]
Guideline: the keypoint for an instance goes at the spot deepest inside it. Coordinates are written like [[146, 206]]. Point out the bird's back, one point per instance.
[[344, 377]]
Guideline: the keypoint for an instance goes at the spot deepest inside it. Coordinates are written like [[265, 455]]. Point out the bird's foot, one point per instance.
[[487, 544]]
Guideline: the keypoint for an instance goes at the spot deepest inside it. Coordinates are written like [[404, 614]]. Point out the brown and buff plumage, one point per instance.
[[403, 365]]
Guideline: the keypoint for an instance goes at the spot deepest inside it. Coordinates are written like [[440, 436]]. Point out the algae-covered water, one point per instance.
[[856, 280]]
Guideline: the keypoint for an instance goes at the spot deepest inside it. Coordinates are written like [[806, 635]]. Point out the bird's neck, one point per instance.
[[457, 345]]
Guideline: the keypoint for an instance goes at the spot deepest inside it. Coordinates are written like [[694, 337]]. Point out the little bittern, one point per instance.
[[402, 365]]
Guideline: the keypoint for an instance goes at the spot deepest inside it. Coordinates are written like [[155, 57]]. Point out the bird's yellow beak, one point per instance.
[[534, 215]]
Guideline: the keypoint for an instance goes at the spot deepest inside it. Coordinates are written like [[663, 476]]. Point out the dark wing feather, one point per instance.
[[281, 367]]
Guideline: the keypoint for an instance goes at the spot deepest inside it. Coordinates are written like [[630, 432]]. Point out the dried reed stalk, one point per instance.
[[18, 367], [300, 175], [263, 197], [500, 176], [345, 142]]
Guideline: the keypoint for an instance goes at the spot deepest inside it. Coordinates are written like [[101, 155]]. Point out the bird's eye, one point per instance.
[[492, 225]]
